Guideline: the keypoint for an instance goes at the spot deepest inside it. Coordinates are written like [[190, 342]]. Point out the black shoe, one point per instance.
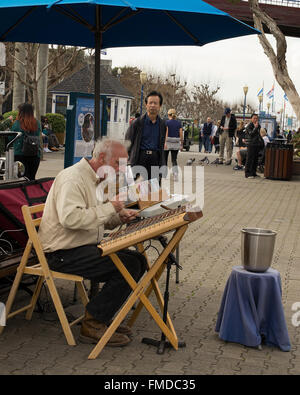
[[237, 167]]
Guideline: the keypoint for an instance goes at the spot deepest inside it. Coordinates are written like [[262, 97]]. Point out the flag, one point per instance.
[[260, 92], [285, 97], [270, 94]]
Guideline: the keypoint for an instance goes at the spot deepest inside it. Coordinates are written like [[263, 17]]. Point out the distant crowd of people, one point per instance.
[[250, 140]]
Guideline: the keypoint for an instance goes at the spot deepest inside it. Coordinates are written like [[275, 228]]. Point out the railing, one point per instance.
[[282, 3]]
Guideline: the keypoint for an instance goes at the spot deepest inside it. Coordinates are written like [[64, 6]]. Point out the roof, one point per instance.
[[83, 81]]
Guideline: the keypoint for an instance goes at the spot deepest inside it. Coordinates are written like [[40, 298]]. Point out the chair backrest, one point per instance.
[[31, 227]]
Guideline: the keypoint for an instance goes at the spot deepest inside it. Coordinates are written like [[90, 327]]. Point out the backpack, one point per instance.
[[31, 145]]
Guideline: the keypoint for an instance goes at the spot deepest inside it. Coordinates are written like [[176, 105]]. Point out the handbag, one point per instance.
[[173, 143]]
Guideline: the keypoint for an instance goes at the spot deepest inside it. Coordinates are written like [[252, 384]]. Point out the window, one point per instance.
[[61, 103], [108, 108], [116, 110], [127, 110]]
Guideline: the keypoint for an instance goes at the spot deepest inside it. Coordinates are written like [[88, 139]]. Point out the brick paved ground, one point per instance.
[[210, 248]]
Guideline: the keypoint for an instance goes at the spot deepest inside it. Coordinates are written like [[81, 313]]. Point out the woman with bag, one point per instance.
[[27, 147], [174, 140]]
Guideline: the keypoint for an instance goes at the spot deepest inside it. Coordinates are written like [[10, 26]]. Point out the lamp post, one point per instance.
[[260, 99], [245, 89], [119, 73], [143, 78]]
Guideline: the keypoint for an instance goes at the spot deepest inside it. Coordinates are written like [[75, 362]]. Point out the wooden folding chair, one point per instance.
[[45, 274]]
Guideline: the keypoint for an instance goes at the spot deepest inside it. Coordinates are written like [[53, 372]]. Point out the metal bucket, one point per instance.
[[257, 249]]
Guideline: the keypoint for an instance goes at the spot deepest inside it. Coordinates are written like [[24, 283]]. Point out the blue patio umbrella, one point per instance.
[[116, 23]]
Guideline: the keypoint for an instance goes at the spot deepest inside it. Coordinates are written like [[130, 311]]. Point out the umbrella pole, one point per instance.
[[97, 91]]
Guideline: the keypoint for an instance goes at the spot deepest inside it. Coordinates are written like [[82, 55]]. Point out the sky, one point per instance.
[[230, 64]]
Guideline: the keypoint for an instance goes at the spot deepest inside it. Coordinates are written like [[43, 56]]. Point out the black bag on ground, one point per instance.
[[31, 144]]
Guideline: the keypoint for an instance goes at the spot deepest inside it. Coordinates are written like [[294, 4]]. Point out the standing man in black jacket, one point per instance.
[[147, 138], [227, 131], [254, 143]]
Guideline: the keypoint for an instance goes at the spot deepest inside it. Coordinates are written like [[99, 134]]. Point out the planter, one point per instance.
[[60, 138], [296, 167]]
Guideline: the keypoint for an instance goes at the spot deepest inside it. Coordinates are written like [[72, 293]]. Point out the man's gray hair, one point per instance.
[[106, 145]]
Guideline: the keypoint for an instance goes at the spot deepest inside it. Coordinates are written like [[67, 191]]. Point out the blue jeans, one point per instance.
[[207, 143]]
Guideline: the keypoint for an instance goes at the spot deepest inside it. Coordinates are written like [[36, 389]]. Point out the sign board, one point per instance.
[[80, 126], [269, 123], [2, 88]]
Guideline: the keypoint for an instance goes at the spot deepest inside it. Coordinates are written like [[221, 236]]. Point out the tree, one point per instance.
[[62, 61], [20, 67], [278, 57], [205, 102]]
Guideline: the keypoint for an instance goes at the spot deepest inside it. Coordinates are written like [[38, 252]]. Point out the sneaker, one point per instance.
[[250, 177], [47, 150], [237, 167]]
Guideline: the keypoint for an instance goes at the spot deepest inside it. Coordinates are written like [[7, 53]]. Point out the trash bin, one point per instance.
[[279, 160], [257, 249]]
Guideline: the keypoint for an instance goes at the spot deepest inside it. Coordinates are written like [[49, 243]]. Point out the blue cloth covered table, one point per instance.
[[251, 308]]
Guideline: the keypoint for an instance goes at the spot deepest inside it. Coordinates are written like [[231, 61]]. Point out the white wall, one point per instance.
[[118, 124]]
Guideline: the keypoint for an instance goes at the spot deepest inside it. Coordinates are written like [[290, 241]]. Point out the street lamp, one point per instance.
[[119, 73], [245, 89], [143, 78], [260, 99]]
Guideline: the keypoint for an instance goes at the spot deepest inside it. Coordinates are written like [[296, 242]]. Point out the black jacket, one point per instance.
[[253, 136], [207, 128], [134, 136], [232, 124]]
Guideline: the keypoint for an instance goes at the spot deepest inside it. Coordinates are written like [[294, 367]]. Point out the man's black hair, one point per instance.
[[154, 93], [252, 115]]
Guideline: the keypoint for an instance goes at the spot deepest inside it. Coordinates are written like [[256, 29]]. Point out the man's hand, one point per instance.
[[127, 215], [119, 201]]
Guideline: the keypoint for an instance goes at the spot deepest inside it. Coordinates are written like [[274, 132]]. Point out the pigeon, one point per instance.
[[190, 161], [204, 160], [215, 162]]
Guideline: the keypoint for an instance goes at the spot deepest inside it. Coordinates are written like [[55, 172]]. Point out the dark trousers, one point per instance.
[[201, 143], [31, 164], [86, 261], [252, 160], [174, 154], [150, 162]]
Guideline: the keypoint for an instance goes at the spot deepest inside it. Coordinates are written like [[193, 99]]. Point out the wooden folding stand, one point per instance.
[[141, 290]]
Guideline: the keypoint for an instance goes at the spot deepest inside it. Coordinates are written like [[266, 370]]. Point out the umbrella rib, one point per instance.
[[194, 38], [108, 24], [72, 14], [17, 23], [114, 22]]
